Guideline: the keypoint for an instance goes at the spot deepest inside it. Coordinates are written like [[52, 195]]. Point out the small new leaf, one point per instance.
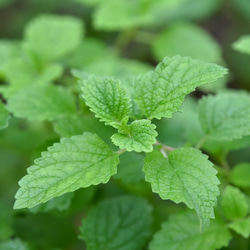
[[122, 223], [225, 116], [42, 103], [186, 176], [160, 93], [138, 136], [107, 99], [76, 162], [181, 231], [241, 227]]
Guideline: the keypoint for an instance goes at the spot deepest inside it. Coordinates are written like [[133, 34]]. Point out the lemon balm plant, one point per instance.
[[119, 143]]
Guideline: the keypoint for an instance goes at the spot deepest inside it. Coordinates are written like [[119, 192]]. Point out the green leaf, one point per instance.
[[240, 175], [4, 116], [160, 93], [52, 36], [70, 125], [234, 203], [241, 227], [27, 74], [185, 176], [138, 136], [121, 223], [41, 103], [79, 161], [129, 170], [127, 14], [198, 43], [181, 231], [107, 98], [243, 44], [59, 203], [225, 116], [14, 245]]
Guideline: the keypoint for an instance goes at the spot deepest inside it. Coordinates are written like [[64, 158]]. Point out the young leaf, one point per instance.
[[243, 44], [240, 175], [186, 176], [41, 103], [225, 116], [160, 93], [138, 136], [107, 99], [4, 116], [234, 203], [52, 37], [79, 161], [181, 231], [241, 227], [121, 223]]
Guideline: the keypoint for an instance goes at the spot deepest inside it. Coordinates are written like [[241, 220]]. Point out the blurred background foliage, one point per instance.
[[121, 38]]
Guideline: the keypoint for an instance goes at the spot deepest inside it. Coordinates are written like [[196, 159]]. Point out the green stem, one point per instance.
[[121, 151], [201, 142], [166, 148]]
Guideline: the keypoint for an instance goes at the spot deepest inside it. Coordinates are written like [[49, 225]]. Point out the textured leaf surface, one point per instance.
[[186, 176], [160, 93], [52, 36], [225, 116], [181, 231], [4, 116], [107, 99], [79, 161], [243, 44], [240, 175], [122, 223], [138, 136], [41, 103], [234, 203], [241, 227]]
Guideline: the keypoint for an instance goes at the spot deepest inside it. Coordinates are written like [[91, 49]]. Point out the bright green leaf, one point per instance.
[[41, 103], [107, 98], [185, 176], [241, 227], [240, 175], [4, 116], [52, 36], [138, 136], [225, 116], [181, 231], [234, 203], [160, 93], [127, 14], [79, 161], [243, 44], [121, 223]]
